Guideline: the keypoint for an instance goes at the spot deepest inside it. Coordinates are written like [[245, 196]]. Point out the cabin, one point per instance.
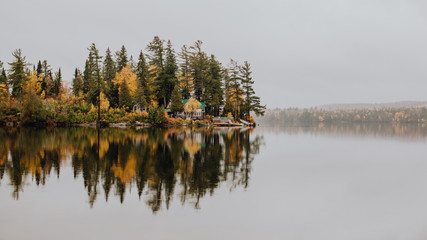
[[138, 107], [199, 113]]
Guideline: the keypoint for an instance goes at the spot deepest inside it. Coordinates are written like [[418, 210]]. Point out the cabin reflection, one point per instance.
[[160, 163]]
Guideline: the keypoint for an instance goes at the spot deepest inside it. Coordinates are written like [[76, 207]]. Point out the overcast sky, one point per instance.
[[303, 52]]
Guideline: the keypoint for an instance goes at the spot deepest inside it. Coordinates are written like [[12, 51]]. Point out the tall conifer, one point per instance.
[[17, 75], [121, 58]]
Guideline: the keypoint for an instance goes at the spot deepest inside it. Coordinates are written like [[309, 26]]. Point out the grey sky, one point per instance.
[[303, 52]]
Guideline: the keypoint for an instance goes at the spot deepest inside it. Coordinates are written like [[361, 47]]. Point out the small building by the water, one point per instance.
[[199, 113], [138, 107]]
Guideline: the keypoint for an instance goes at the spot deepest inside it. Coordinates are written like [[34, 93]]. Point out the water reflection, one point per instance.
[[160, 163], [387, 130]]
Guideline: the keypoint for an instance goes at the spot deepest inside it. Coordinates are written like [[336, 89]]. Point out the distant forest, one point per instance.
[[385, 115], [114, 83]]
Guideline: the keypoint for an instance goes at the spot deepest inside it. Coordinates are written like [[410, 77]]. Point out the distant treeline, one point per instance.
[[404, 131], [404, 115], [159, 76]]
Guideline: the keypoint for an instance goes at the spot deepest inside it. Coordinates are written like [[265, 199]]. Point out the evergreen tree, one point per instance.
[[251, 102], [87, 77], [17, 74], [170, 79], [125, 100], [121, 58], [57, 83], [199, 70], [92, 73], [4, 89], [77, 83], [214, 96], [47, 76], [109, 68], [3, 77], [235, 91], [108, 73], [142, 73], [156, 60], [140, 96], [156, 50], [164, 70], [185, 74], [114, 95], [177, 104], [39, 68]]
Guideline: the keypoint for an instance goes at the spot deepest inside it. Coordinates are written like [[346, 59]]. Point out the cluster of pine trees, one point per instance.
[[158, 77]]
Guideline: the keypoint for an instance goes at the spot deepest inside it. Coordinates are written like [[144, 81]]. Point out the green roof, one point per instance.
[[201, 106]]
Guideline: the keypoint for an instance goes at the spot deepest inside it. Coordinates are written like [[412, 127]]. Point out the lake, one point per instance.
[[347, 181]]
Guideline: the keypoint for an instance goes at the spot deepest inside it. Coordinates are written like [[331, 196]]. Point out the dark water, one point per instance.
[[287, 182]]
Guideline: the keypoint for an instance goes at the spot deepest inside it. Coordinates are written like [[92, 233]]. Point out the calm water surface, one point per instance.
[[284, 182]]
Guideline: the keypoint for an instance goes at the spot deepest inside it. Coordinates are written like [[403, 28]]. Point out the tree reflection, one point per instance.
[[160, 163]]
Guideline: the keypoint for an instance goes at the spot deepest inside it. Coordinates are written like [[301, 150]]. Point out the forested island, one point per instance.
[[160, 87]]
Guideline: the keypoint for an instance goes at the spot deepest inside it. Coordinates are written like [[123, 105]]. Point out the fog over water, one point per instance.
[[303, 53]]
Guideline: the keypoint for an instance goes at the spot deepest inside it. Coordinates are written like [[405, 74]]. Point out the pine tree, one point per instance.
[[214, 97], [140, 96], [199, 70], [77, 83], [228, 108], [109, 68], [177, 104], [39, 68], [185, 80], [236, 94], [3, 77], [108, 73], [87, 77], [170, 70], [17, 74], [121, 58], [93, 72], [251, 102], [57, 83], [47, 75], [4, 89], [143, 76], [125, 100], [156, 50]]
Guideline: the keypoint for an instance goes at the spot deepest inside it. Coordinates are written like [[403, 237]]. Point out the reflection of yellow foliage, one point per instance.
[[127, 75], [192, 146], [104, 145], [128, 172]]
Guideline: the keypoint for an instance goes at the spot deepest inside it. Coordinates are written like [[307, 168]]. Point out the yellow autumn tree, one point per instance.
[[34, 83], [127, 75], [4, 94], [33, 109], [191, 106], [105, 104]]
